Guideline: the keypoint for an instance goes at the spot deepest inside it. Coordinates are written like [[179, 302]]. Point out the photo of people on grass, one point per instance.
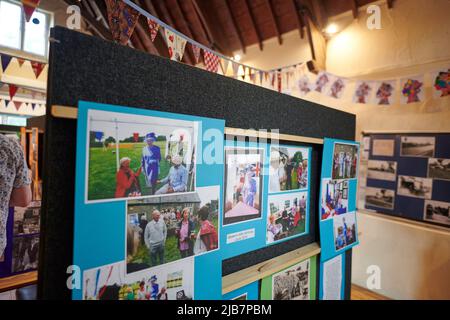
[[345, 161], [243, 184], [166, 229], [334, 199], [288, 168], [173, 282], [133, 155], [344, 227], [292, 283], [286, 215]]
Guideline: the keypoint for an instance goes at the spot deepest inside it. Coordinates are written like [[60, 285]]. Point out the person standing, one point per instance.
[[289, 167], [207, 238], [15, 182], [127, 184], [151, 157], [143, 224], [185, 232], [155, 238], [274, 181]]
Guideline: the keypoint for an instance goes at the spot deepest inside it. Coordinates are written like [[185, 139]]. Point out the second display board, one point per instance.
[[161, 199]]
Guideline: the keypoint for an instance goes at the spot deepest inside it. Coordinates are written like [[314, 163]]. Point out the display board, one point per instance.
[[408, 175], [248, 292], [83, 68], [339, 183]]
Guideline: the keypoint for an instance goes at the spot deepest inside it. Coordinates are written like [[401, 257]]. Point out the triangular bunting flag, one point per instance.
[[37, 68], [154, 27], [211, 61], [261, 73], [224, 65], [5, 61], [279, 81], [28, 7], [252, 75], [196, 51], [122, 20], [245, 72], [21, 61], [12, 90], [33, 106], [17, 104], [235, 68], [6, 103], [175, 44]]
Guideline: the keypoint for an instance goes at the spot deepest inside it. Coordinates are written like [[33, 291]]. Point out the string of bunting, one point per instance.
[[123, 16], [37, 67]]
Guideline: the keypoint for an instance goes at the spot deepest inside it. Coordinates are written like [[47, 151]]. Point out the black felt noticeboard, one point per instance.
[[90, 69]]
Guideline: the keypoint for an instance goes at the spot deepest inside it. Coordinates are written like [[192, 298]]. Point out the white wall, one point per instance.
[[414, 39]]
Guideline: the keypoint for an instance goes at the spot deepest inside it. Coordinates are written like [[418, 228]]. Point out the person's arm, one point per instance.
[[21, 192]]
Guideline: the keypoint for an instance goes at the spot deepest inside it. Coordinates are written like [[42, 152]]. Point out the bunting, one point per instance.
[[224, 65], [321, 82], [412, 90], [304, 85], [17, 104], [279, 80], [21, 61], [12, 91], [153, 26], [235, 69], [441, 83], [197, 52], [385, 93], [211, 61], [175, 44], [122, 20], [29, 6], [5, 61], [37, 68], [337, 88], [33, 106], [362, 93]]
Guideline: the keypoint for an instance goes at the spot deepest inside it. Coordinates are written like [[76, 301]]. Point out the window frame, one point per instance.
[[48, 24]]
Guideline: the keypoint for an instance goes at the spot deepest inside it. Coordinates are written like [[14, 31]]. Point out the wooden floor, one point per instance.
[[359, 293]]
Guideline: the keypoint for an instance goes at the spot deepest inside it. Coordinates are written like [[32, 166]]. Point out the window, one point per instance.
[[16, 33]]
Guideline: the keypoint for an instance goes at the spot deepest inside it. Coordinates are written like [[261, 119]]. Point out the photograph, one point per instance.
[[292, 283], [412, 146], [286, 215], [437, 211], [25, 253], [344, 228], [334, 198], [172, 282], [345, 161], [27, 220], [439, 168], [163, 230], [382, 170], [243, 184], [381, 198], [288, 169], [415, 187], [383, 147], [134, 156]]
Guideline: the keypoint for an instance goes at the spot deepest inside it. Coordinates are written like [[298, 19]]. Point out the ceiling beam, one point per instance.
[[318, 9], [299, 18], [253, 23], [274, 20], [96, 26], [309, 33], [235, 26], [354, 5]]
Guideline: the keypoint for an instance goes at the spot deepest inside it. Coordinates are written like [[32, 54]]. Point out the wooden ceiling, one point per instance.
[[226, 26]]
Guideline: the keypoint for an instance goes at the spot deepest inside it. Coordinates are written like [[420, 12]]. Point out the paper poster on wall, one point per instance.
[[383, 147], [144, 174], [332, 279], [248, 292], [338, 227], [298, 282]]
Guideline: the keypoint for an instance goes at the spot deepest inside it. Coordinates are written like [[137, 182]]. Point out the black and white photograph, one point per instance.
[[437, 211], [412, 146], [439, 168], [383, 147], [26, 220], [292, 283], [25, 253], [415, 187], [382, 170], [381, 198]]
